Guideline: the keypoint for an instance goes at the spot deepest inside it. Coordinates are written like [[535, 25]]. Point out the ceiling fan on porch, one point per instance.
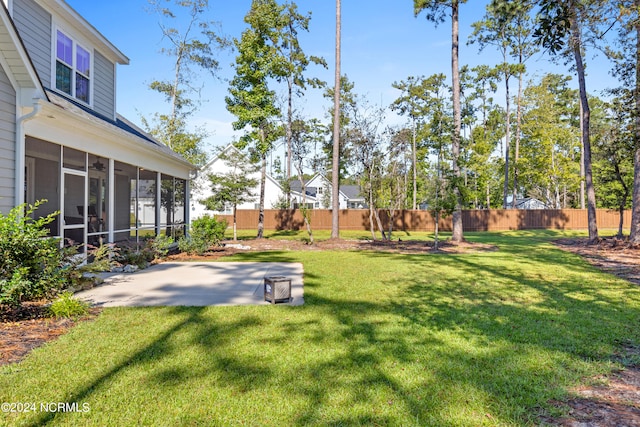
[[98, 165]]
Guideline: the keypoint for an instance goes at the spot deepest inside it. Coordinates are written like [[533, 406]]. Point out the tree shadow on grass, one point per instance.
[[488, 337], [517, 345], [161, 348], [572, 321]]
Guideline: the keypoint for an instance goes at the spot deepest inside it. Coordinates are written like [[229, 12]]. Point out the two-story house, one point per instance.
[[317, 190], [62, 140], [273, 192]]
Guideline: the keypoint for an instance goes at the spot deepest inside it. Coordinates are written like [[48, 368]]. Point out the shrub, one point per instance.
[[133, 256], [31, 262], [160, 245], [68, 306], [206, 232], [83, 275]]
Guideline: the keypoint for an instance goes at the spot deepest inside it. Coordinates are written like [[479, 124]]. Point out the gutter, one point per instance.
[[21, 150]]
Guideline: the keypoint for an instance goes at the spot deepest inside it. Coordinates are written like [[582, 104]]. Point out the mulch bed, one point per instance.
[[29, 326], [616, 403]]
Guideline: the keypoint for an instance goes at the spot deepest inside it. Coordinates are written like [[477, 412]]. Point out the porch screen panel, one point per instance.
[[42, 179], [147, 202], [74, 210], [98, 209], [166, 204], [74, 159], [125, 201], [179, 208]]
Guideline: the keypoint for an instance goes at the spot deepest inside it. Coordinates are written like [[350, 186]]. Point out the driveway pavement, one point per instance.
[[194, 284]]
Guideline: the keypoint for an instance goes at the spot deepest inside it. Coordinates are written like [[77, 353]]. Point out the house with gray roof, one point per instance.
[[318, 192]]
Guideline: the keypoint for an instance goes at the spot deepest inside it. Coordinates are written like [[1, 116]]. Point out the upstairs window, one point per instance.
[[73, 65]]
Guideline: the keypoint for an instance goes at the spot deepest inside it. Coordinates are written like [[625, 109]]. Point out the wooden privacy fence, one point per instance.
[[418, 220]]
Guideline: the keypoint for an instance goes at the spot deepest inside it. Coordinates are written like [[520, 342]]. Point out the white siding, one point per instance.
[[34, 26], [104, 86], [7, 143]]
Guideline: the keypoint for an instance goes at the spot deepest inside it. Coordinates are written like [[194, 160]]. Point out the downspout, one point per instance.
[[21, 150]]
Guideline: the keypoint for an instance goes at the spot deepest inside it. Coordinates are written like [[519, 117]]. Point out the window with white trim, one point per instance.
[[73, 66]]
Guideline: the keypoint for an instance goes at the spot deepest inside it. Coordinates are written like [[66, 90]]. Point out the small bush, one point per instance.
[[206, 232], [31, 262], [160, 245], [68, 306], [133, 256], [83, 275]]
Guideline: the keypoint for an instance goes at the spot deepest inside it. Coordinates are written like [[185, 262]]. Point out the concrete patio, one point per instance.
[[194, 284]]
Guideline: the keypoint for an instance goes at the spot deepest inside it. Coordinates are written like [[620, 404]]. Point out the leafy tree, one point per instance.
[[613, 151], [560, 30], [549, 141], [412, 103], [251, 100], [436, 12], [233, 187], [441, 198], [366, 142], [627, 70], [348, 105], [393, 190], [295, 62], [485, 137], [507, 25], [192, 47], [303, 135]]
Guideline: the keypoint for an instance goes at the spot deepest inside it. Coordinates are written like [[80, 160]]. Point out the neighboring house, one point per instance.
[[355, 199], [201, 188], [530, 203], [526, 203], [317, 189], [62, 140], [318, 192]]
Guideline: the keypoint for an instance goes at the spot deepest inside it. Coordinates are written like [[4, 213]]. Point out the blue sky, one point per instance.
[[382, 42]]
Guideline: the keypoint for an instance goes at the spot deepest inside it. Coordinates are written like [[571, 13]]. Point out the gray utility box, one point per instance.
[[277, 289]]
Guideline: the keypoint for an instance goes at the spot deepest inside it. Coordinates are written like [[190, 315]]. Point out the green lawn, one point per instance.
[[383, 339]]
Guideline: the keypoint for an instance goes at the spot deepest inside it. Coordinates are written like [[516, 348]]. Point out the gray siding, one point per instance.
[[34, 25], [104, 86], [7, 143]]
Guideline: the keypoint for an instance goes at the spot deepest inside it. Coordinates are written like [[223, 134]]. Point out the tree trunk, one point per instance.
[[586, 139], [371, 226], [436, 231], [488, 197], [518, 135], [507, 143], [582, 194], [263, 180], [289, 137], [380, 227], [415, 167], [457, 235], [634, 236], [303, 209], [235, 223], [623, 202], [335, 177]]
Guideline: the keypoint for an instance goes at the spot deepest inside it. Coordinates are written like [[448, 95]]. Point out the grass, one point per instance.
[[485, 339], [320, 235]]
